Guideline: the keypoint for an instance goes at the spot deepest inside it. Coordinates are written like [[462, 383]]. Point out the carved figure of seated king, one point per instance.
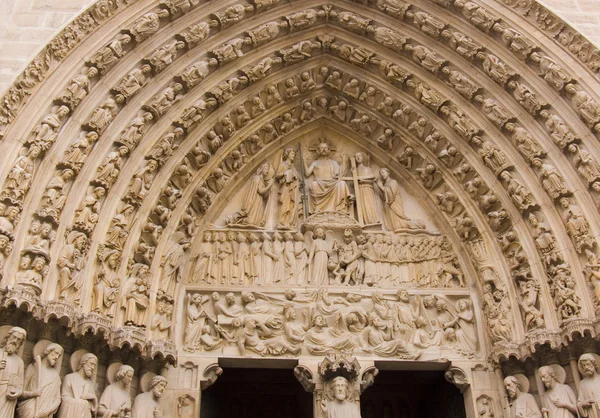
[[328, 193], [340, 407]]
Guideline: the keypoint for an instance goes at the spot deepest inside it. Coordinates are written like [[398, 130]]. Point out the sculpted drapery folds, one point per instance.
[[366, 192], [559, 401], [41, 388], [70, 263], [147, 405], [522, 404], [327, 193], [136, 296], [288, 178], [254, 206], [115, 401], [173, 264], [106, 286], [588, 400], [361, 196], [78, 391], [11, 371], [394, 217]]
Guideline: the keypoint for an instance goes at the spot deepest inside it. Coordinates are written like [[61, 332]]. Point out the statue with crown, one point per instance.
[[340, 398]]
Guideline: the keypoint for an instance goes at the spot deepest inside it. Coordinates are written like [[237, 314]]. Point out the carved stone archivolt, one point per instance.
[[386, 180]]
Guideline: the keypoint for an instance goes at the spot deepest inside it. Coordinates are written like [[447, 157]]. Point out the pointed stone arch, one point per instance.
[[514, 95]]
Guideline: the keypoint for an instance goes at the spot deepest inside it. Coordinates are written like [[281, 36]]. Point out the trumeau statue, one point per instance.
[[341, 406]]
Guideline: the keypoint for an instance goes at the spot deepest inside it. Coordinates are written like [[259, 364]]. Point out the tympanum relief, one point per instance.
[[315, 322], [313, 215]]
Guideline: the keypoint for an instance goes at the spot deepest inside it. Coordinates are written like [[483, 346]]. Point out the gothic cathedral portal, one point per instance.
[[324, 209]]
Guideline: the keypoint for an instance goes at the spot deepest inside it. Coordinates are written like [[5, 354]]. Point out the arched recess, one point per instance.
[[470, 72]]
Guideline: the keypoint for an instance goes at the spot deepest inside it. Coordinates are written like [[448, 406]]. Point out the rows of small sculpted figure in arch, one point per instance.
[[111, 253], [40, 260], [287, 258], [358, 118]]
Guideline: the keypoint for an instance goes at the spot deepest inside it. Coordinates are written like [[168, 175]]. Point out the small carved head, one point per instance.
[[548, 376], [52, 353], [230, 298], [340, 388], [125, 375], [587, 364], [319, 233], [157, 385], [14, 339], [88, 364], [318, 321]]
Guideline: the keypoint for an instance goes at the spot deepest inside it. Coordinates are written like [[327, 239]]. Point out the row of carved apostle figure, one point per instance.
[[328, 191], [317, 323], [37, 392], [291, 258], [558, 399]]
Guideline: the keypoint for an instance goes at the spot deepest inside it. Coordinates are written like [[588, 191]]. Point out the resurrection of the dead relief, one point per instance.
[[337, 185]]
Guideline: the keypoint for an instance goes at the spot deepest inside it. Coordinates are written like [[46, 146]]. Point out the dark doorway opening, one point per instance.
[[412, 394], [256, 393]]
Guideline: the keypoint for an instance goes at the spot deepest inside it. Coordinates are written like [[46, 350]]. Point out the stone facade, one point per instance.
[[337, 185], [27, 25]]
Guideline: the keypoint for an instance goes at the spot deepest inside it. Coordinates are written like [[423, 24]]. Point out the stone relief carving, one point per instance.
[[317, 322], [107, 283], [147, 25], [133, 82], [587, 399], [522, 402], [372, 259], [559, 399], [107, 57], [147, 404], [70, 263], [283, 239], [116, 399], [78, 391], [135, 298], [41, 385]]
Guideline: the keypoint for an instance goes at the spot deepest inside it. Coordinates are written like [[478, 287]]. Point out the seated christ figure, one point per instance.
[[327, 192]]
